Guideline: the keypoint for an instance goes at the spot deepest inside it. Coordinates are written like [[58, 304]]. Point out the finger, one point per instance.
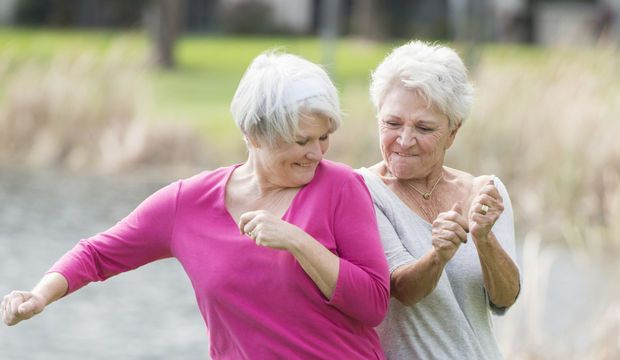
[[441, 245], [251, 228], [244, 219], [15, 299], [458, 230], [481, 220], [461, 234], [491, 204], [448, 235], [491, 190], [3, 309], [456, 215], [27, 308]]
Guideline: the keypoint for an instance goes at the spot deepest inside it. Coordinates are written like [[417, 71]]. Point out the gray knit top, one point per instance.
[[454, 321]]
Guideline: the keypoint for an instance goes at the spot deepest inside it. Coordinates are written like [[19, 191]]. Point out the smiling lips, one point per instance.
[[305, 165], [404, 155]]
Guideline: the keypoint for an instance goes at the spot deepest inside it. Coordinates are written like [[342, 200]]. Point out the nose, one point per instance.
[[406, 137], [315, 152]]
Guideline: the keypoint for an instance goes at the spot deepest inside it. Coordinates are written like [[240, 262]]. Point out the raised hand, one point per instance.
[[266, 229], [449, 232], [484, 211]]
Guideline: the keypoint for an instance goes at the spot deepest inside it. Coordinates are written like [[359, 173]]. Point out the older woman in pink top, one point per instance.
[[283, 250]]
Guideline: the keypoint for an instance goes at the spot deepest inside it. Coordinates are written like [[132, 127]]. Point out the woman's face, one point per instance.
[[414, 137], [293, 164]]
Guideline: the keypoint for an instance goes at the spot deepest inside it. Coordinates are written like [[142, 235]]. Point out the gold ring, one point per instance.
[[484, 209]]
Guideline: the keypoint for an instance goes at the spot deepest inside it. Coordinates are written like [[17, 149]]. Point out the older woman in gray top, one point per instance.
[[448, 235]]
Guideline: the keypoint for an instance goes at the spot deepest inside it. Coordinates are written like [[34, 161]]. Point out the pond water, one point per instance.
[[150, 313]]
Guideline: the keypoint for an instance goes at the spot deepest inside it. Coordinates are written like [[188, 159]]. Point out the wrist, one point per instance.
[[298, 241], [484, 242], [52, 287], [437, 259]]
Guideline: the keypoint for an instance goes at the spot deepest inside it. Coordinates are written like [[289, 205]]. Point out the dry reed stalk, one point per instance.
[[86, 112]]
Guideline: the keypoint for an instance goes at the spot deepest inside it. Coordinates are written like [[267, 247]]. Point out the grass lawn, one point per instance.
[[199, 90]]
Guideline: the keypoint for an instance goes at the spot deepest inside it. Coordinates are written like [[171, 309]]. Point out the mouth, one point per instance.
[[404, 154], [305, 165]]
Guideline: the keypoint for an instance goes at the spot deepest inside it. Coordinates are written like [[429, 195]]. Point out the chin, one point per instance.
[[305, 179], [401, 171]]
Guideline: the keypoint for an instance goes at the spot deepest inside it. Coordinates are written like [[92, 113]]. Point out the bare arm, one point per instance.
[[411, 283], [22, 305], [500, 273]]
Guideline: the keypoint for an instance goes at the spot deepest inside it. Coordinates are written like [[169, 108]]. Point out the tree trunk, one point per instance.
[[367, 19], [164, 20]]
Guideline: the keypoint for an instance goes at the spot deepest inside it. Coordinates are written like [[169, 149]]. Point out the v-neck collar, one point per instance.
[[226, 179], [374, 177]]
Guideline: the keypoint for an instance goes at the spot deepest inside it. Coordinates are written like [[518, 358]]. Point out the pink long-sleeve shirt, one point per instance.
[[257, 302]]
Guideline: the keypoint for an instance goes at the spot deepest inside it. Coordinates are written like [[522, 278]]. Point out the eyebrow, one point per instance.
[[304, 138]]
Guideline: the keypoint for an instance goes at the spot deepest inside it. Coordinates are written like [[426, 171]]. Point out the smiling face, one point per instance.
[[293, 164], [414, 137]]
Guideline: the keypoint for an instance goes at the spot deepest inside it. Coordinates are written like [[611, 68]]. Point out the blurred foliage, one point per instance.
[[65, 13], [544, 120]]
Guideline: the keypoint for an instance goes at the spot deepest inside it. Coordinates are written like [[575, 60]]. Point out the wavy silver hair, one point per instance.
[[435, 71], [275, 90]]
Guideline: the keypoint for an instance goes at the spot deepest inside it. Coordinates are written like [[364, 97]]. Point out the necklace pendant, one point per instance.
[[426, 196]]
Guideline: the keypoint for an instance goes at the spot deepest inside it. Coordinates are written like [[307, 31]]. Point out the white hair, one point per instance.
[[436, 72], [275, 90]]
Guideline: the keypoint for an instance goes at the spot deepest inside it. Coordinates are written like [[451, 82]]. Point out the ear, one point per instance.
[[452, 136], [251, 142]]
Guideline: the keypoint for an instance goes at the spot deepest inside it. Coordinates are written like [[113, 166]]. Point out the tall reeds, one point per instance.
[[549, 129], [85, 111]]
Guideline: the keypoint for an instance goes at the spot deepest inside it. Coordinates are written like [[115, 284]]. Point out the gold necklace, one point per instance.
[[426, 195]]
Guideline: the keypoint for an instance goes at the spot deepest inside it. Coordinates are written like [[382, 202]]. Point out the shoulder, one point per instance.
[[335, 168], [204, 182], [206, 177], [469, 185], [467, 182], [335, 173]]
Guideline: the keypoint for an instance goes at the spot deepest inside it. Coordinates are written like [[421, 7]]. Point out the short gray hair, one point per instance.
[[435, 71], [278, 87]]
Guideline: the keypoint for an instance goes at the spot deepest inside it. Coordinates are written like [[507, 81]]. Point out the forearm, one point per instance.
[[500, 273], [318, 262], [51, 287], [411, 283]]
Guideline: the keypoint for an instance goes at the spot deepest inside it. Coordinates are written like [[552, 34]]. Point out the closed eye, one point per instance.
[[391, 124]]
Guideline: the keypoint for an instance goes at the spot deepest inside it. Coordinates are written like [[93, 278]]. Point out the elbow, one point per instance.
[[375, 317], [402, 292], [507, 300], [406, 299]]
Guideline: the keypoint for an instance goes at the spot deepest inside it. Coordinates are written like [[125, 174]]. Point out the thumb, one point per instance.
[[457, 207], [27, 307]]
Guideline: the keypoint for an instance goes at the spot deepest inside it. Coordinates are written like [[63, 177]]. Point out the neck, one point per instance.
[[255, 180], [427, 182]]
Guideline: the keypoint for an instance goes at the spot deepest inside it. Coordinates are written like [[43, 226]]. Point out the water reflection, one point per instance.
[[149, 313], [569, 307]]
